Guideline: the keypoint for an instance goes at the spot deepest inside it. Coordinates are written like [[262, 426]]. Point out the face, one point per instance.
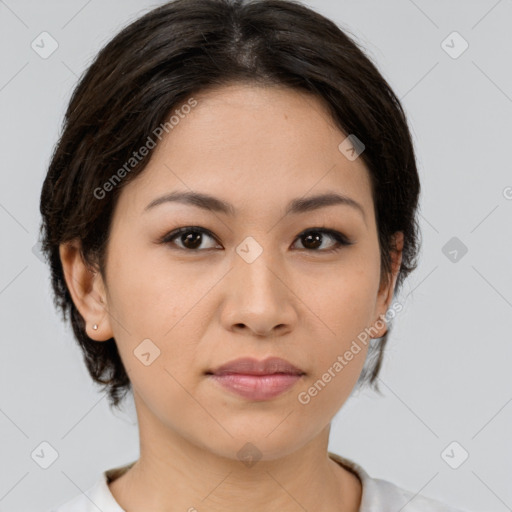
[[256, 280]]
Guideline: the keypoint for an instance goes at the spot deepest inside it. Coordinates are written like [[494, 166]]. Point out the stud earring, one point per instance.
[[95, 327]]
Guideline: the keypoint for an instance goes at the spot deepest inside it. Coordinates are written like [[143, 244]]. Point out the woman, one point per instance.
[[228, 215]]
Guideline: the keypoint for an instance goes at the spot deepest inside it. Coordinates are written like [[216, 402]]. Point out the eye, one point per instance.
[[191, 239], [314, 238]]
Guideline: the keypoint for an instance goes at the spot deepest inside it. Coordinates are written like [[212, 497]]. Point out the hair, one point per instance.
[[177, 50]]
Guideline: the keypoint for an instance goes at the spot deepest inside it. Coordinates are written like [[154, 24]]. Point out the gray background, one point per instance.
[[447, 370]]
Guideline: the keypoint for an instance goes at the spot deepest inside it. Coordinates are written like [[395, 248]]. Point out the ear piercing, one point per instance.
[[95, 327]]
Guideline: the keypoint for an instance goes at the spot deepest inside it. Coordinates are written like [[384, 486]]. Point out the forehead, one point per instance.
[[252, 144]]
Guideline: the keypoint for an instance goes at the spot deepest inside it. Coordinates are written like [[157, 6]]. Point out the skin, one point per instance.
[[257, 148]]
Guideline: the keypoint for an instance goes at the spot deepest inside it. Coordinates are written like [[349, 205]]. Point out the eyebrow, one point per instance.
[[295, 206]]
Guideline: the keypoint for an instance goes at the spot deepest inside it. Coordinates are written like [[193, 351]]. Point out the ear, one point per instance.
[[87, 290], [385, 295]]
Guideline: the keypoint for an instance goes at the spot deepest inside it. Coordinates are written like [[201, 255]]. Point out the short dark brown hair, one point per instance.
[[187, 46]]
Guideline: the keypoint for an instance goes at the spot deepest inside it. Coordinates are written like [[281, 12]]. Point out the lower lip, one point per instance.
[[257, 387]]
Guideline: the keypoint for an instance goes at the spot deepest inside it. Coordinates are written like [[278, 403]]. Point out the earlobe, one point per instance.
[[87, 291]]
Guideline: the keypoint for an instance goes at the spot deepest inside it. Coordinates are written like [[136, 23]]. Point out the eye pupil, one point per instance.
[[316, 238], [191, 236]]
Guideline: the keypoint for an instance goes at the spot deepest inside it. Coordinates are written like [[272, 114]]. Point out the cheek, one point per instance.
[[339, 351], [345, 307], [154, 310], [145, 294], [344, 298]]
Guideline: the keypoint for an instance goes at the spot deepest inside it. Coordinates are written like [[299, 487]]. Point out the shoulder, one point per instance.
[[97, 497], [383, 492], [378, 494]]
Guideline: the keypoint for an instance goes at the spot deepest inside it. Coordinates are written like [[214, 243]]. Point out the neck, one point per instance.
[[173, 474]]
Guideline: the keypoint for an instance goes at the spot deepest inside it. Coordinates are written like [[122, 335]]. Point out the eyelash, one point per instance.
[[340, 238]]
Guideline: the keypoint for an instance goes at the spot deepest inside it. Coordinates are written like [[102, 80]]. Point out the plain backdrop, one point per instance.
[[446, 379]]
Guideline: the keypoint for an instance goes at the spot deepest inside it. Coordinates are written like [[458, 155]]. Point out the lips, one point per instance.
[[251, 366], [256, 380]]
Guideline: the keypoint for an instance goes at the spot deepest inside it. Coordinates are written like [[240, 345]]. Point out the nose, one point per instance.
[[258, 298]]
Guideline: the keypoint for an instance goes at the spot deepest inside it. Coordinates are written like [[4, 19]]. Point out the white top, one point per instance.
[[377, 495]]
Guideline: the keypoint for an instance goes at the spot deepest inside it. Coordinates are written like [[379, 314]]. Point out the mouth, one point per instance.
[[256, 380], [251, 366]]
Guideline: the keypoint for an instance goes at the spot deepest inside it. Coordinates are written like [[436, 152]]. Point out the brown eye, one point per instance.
[[315, 237], [190, 238]]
